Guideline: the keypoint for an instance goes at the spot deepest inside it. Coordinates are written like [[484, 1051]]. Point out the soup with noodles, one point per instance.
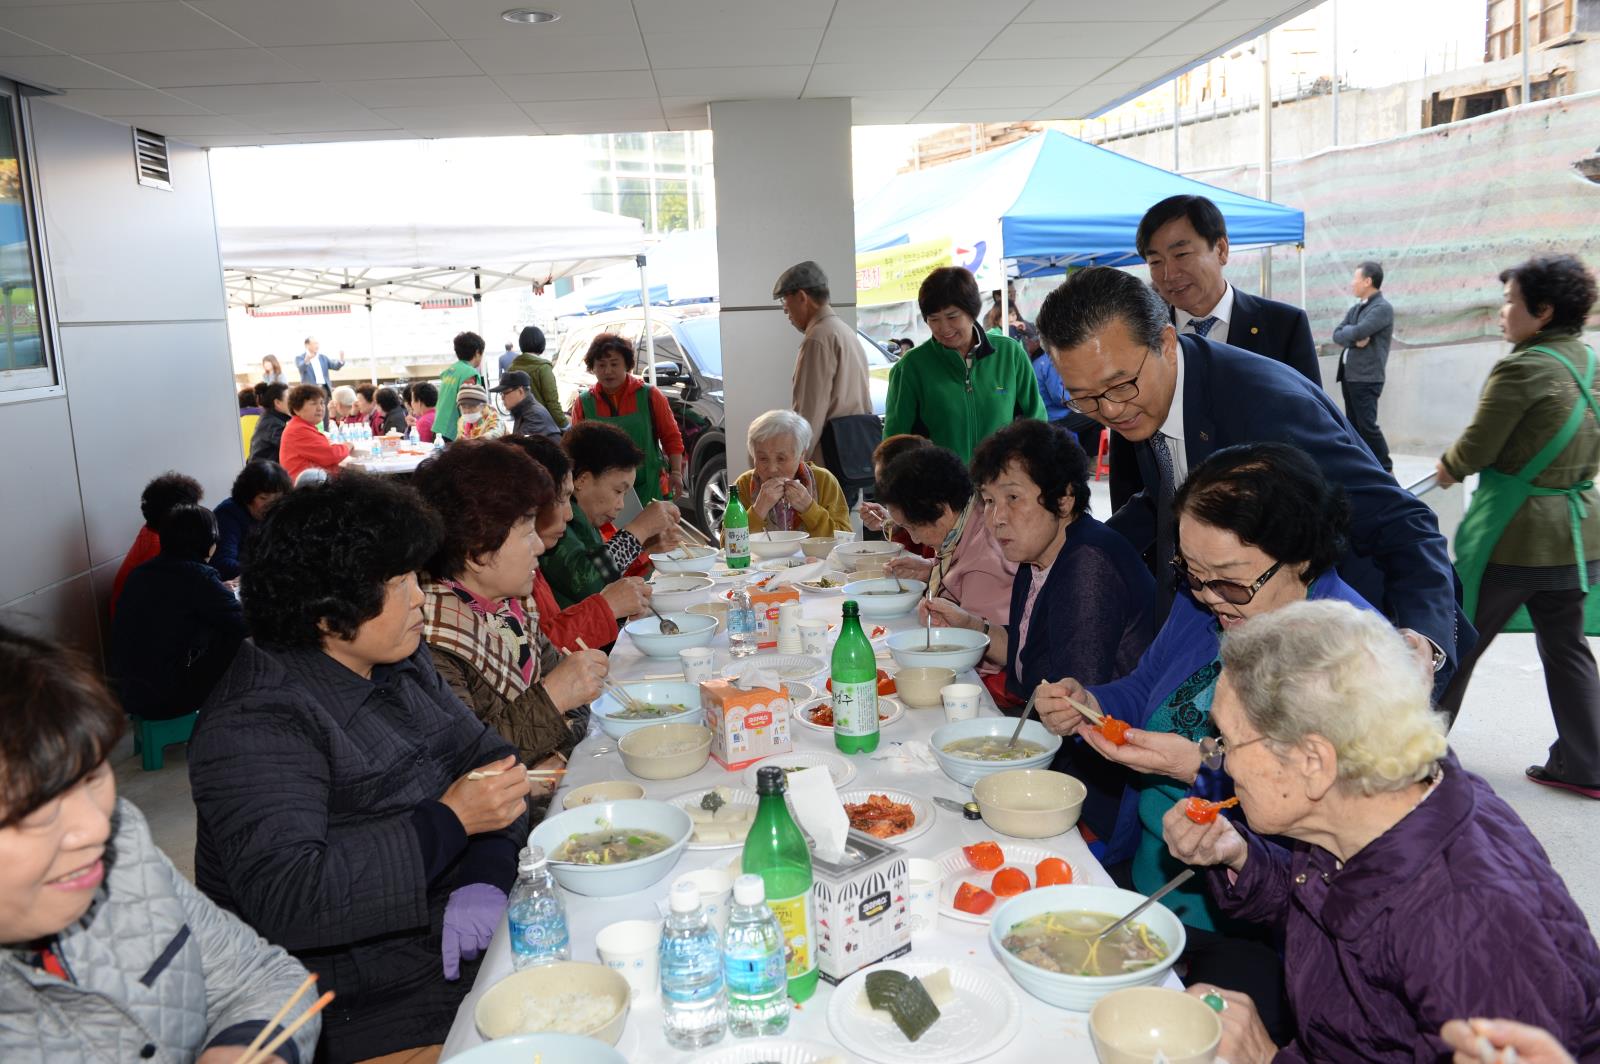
[[993, 748], [1064, 942], [611, 846]]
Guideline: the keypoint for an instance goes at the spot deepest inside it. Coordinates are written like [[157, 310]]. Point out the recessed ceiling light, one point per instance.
[[528, 16]]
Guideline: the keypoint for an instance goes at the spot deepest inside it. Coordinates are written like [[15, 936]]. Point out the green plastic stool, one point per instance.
[[151, 737]]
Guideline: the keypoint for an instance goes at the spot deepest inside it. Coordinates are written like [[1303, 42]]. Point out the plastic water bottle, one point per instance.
[[538, 919], [377, 444], [694, 1007], [412, 439], [753, 964], [741, 622]]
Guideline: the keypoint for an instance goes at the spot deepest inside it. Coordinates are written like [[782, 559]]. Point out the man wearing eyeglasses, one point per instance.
[[1179, 398]]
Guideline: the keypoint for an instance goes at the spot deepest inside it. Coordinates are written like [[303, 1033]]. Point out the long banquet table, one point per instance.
[[1046, 1032]]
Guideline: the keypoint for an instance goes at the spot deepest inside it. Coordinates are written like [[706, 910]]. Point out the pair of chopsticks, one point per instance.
[[627, 701], [1092, 715], [540, 773], [257, 1052]]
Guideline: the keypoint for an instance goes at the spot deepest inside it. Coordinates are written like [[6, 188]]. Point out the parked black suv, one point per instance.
[[688, 344]]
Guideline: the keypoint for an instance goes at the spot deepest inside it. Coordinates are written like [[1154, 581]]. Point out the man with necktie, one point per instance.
[[1184, 242], [1179, 398]]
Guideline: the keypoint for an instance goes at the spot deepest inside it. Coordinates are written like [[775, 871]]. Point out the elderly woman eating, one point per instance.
[[592, 621], [781, 491], [594, 553], [1412, 893], [479, 618], [349, 808], [111, 954], [929, 494]]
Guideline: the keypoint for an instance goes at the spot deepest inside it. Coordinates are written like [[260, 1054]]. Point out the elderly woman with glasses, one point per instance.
[[1412, 893], [1259, 527], [782, 491]]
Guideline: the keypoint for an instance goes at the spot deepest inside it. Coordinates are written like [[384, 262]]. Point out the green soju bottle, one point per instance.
[[777, 852], [736, 532], [855, 687]]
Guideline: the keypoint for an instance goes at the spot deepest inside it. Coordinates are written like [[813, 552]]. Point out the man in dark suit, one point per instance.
[[1184, 241], [1179, 398], [316, 368], [1365, 333]]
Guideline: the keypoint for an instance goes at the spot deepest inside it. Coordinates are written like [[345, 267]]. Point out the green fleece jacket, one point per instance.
[[574, 568], [543, 374], [936, 393], [446, 413]]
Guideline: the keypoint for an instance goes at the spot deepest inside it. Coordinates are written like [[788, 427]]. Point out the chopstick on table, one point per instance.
[[256, 1052]]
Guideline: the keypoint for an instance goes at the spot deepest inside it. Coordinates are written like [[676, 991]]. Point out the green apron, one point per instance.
[[1500, 495], [641, 429]]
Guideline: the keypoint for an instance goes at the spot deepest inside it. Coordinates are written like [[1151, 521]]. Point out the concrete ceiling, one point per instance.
[[233, 72]]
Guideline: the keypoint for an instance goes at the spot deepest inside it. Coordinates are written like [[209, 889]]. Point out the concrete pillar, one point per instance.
[[783, 195]]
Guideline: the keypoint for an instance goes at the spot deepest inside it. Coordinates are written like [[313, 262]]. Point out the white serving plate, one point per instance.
[[983, 1019], [839, 768], [955, 870], [688, 801], [776, 1050], [801, 709], [840, 579], [787, 666], [921, 808]]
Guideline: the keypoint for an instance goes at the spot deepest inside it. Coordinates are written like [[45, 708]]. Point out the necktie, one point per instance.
[[1164, 538], [1203, 326]]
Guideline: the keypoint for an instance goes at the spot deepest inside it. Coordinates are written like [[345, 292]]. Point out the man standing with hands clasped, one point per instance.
[[1365, 334], [830, 386]]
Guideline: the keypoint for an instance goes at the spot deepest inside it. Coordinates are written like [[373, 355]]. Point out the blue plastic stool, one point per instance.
[[151, 737]]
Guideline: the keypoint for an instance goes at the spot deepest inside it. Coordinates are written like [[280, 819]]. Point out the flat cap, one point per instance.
[[805, 274]]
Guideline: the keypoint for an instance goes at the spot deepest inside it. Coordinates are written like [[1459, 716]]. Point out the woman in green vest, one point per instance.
[[621, 399], [1531, 534]]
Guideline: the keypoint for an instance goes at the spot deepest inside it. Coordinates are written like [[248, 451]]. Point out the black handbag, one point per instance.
[[847, 446]]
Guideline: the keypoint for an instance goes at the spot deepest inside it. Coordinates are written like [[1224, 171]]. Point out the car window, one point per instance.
[[667, 349], [576, 345], [876, 356], [703, 338]]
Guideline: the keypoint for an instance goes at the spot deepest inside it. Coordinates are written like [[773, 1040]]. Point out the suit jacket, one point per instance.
[[1372, 321], [1397, 559], [1279, 331], [309, 376]]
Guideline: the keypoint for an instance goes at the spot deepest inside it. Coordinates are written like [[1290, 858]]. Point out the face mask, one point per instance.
[[472, 418]]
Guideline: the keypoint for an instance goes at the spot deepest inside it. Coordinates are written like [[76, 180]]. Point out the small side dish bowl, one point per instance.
[[1030, 803], [505, 1007], [665, 751], [604, 791], [919, 686], [1144, 1024]]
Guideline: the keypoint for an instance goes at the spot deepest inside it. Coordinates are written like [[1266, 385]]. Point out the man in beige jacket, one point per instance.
[[830, 374]]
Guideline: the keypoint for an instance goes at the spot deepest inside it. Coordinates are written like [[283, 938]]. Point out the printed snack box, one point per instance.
[[746, 726], [766, 602]]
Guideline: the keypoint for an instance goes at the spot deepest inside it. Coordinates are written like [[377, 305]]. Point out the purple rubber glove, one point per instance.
[[470, 917]]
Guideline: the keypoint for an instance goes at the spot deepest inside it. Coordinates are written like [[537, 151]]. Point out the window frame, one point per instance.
[[18, 98]]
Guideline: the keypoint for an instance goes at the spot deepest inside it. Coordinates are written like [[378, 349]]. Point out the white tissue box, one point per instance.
[[862, 905], [746, 726]]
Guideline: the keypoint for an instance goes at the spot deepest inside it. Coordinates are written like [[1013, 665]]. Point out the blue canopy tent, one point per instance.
[[1050, 202]]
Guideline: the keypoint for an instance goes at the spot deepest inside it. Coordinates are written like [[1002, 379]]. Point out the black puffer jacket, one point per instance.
[[319, 825], [269, 432]]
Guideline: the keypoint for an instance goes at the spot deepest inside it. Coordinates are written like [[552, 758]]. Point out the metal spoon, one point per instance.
[[1027, 711], [667, 627], [1171, 885], [930, 623]]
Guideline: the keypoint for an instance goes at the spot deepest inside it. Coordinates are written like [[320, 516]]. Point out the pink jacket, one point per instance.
[[980, 578]]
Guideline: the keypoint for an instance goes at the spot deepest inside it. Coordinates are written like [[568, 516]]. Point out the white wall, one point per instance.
[[137, 282]]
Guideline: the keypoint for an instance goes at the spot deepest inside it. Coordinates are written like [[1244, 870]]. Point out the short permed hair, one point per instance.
[[60, 723], [1274, 497], [188, 532], [468, 345], [453, 482], [166, 491], [301, 394], [369, 392], [261, 476], [1201, 212], [922, 481], [388, 399], [608, 344], [950, 286], [1049, 454], [323, 555], [1560, 282], [597, 448], [426, 393], [1090, 299], [545, 451]]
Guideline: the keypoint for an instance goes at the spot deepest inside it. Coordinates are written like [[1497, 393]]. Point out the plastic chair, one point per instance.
[[1102, 461], [152, 737]]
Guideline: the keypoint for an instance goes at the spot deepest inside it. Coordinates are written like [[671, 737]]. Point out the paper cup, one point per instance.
[[698, 664], [922, 897], [716, 893], [814, 638], [844, 537], [961, 701], [632, 949], [789, 641]]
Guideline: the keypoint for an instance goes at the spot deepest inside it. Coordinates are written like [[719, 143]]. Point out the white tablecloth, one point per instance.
[[388, 465], [1047, 1033]]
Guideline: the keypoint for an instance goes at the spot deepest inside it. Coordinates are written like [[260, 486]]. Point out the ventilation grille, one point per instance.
[[150, 156]]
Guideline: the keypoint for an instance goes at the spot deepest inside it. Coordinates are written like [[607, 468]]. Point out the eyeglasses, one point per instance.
[[1229, 591], [1213, 750], [1125, 392]]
